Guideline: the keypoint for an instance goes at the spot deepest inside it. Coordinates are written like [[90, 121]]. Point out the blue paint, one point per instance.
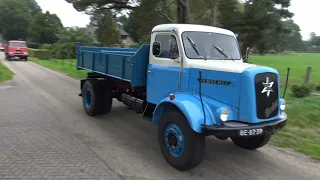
[[87, 98], [226, 94], [191, 107], [120, 63], [162, 81], [174, 140], [247, 112]]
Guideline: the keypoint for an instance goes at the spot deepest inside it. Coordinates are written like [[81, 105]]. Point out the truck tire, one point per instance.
[[91, 97], [8, 57], [251, 143], [106, 98], [182, 148]]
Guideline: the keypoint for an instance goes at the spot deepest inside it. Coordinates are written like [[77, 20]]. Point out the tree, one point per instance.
[[90, 6], [148, 15], [44, 28], [15, 17], [65, 48], [107, 31], [263, 20], [183, 11]]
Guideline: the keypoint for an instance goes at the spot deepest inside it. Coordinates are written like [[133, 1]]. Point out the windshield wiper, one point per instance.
[[195, 48], [222, 52]]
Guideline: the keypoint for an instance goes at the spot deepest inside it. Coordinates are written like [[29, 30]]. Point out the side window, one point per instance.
[[168, 46]]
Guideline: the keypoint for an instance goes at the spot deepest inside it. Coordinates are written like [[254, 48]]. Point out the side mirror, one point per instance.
[[156, 48]]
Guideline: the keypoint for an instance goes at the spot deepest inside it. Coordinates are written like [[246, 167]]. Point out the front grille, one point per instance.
[[18, 52], [266, 86]]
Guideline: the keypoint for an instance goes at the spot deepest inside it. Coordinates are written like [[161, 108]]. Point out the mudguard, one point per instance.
[[190, 106]]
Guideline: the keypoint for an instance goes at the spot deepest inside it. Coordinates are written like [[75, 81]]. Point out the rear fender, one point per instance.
[[189, 106]]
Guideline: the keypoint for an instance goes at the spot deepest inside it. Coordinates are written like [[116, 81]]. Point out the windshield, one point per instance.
[[210, 46], [17, 44]]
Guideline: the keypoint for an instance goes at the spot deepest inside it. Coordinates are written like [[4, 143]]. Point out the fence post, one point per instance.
[[309, 69]]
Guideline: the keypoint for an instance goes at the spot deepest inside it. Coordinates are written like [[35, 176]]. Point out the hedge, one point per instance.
[[39, 53]]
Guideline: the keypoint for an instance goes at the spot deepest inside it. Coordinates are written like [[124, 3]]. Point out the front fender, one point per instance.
[[190, 106]]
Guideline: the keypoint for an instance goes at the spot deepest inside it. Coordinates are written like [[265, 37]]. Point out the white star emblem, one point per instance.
[[267, 87]]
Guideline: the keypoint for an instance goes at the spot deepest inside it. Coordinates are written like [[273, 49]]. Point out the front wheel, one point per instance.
[[251, 143], [182, 148]]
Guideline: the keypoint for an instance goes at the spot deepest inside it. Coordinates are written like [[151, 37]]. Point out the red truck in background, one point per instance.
[[1, 47], [16, 49]]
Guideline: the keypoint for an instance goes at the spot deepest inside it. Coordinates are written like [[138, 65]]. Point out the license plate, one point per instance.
[[251, 132]]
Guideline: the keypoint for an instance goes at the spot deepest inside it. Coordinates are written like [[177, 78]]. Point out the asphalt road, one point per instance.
[[122, 142]]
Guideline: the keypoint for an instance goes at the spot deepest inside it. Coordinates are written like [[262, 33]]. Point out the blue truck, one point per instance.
[[192, 82]]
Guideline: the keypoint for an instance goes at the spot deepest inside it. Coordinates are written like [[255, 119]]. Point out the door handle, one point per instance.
[[149, 72]]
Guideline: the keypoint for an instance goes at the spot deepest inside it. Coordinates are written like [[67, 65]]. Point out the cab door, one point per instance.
[[164, 67]]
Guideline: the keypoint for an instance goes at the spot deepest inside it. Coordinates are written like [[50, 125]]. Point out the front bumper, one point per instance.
[[240, 129], [18, 55]]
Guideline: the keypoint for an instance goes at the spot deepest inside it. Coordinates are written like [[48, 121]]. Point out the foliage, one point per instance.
[[45, 28], [90, 5], [14, 18], [39, 53], [65, 48], [46, 46], [318, 87], [301, 91], [144, 18], [135, 45], [106, 29]]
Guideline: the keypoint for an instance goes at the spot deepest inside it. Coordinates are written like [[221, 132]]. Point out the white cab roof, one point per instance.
[[191, 27]]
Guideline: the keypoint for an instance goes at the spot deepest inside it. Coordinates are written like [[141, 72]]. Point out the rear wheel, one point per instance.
[[251, 143], [180, 145], [91, 97]]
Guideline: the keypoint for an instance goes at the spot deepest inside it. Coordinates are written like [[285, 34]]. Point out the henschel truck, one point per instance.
[[191, 82]]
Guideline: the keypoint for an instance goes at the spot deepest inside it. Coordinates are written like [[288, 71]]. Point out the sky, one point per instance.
[[306, 15]]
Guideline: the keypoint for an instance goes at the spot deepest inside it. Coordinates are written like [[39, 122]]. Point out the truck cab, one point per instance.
[[17, 49], [192, 82]]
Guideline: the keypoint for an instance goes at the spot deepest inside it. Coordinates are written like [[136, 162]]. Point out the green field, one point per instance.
[[5, 73], [66, 66], [302, 132]]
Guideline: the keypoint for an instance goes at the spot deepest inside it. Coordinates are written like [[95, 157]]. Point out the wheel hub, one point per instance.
[[174, 140], [87, 98]]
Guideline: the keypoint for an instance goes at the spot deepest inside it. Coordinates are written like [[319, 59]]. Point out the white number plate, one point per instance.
[[250, 132]]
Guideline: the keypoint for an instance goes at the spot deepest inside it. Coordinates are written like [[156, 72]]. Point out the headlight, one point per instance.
[[283, 105], [224, 114]]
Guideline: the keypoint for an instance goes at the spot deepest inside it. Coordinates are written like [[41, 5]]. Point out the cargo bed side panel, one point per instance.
[[123, 63]]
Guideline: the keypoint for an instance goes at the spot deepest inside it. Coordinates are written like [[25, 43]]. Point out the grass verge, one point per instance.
[[65, 66], [5, 73]]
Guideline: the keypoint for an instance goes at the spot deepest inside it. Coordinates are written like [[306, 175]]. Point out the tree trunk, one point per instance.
[[214, 12], [183, 11]]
